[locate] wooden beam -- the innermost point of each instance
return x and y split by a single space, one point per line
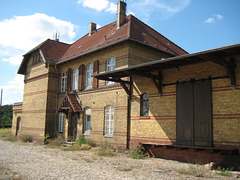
158 84
143 74
127 89
229 66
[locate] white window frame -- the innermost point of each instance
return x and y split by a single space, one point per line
89 78
111 67
87 115
108 125
75 79
61 122
63 81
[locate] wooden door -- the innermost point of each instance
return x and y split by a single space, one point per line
184 114
194 114
72 127
202 114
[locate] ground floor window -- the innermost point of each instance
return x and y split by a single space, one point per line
60 123
108 126
144 109
87 121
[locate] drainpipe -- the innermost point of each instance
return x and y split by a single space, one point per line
129 114
57 96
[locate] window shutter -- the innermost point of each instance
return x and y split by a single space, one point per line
95 71
81 77
69 78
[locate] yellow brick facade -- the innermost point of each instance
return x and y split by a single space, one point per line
160 126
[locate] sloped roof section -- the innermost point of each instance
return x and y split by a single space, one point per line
52 51
133 29
70 102
145 34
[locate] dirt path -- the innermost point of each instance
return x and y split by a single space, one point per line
28 161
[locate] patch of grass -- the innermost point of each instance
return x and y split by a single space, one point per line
195 170
106 151
27 138
12 138
56 142
224 172
136 153
5 132
82 140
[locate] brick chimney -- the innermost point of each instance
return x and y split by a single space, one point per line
121 13
92 27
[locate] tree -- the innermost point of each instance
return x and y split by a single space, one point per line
6 115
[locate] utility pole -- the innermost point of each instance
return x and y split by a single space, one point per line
1 103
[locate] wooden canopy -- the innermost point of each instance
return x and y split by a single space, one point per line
70 101
217 55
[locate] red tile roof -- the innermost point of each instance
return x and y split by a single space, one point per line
70 101
133 29
52 51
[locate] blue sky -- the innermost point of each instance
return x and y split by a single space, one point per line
194 25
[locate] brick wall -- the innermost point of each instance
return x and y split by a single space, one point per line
160 126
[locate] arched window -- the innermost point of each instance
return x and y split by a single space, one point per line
75 79
111 66
144 109
87 121
108 125
89 74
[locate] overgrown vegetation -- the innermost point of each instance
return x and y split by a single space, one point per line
136 153
224 171
6 116
82 140
55 142
106 151
27 138
195 170
6 132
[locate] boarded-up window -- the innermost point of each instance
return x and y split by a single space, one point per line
144 109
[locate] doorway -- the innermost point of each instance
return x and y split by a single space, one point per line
72 127
194 114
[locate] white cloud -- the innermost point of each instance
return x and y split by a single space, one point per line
15 60
25 32
13 91
164 8
213 19
210 20
98 5
112 8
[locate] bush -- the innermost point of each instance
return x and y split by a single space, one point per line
5 132
195 170
82 140
136 153
56 142
225 171
27 138
46 139
106 151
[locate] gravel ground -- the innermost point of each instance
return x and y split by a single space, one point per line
29 161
